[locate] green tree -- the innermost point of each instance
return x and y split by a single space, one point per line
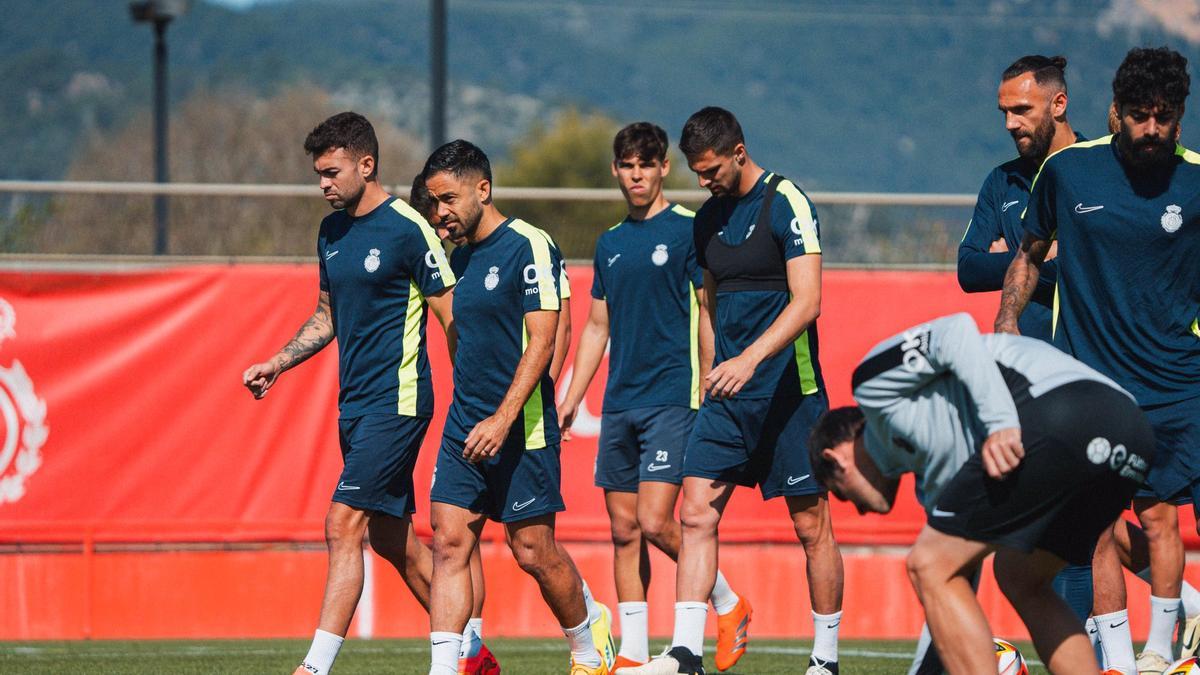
574 151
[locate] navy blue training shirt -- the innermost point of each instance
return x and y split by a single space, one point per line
377 269
1002 200
1128 290
743 316
646 273
512 272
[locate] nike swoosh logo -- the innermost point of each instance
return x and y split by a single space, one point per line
342 486
613 259
793 481
834 625
938 513
1006 205
518 507
330 254
1118 624
1080 208
657 467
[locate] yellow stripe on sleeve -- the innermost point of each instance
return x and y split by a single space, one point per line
407 375
543 263
803 223
431 240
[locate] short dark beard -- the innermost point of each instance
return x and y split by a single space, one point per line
1042 138
1136 154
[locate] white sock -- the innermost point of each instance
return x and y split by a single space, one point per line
1191 599
445 647
723 598
1190 605
472 638
583 650
1093 633
1163 614
1116 641
321 654
689 626
592 610
635 631
825 636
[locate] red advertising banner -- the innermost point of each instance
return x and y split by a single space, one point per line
126 420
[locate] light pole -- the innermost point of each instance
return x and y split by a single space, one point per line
159 13
437 73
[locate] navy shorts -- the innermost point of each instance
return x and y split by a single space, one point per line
516 484
761 442
378 455
1175 475
642 445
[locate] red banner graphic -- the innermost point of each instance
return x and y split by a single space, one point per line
126 420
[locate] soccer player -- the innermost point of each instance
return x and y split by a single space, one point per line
645 297
1018 449
380 267
1123 211
499 457
757 240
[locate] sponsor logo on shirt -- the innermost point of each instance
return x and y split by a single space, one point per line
1080 208
915 346
1007 205
330 254
431 261
613 259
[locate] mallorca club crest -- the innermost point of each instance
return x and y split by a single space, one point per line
492 280
372 261
24 418
1172 220
659 257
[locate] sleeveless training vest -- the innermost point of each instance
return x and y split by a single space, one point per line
757 263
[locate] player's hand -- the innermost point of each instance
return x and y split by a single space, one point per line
1052 252
728 378
486 439
998 246
1002 452
259 377
566 417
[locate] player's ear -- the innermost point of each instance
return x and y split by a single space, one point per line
1058 104
839 460
366 167
666 166
739 153
614 168
483 189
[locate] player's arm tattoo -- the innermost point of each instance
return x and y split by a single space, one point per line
312 337
1020 281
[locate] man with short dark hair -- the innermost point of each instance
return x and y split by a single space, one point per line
380 266
645 298
757 240
499 457
1017 449
1123 210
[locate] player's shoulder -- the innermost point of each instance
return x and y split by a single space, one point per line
532 238
793 195
406 217
1189 157
1081 152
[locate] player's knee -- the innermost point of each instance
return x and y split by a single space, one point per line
451 546
625 532
343 529
698 518
655 526
812 527
923 568
533 557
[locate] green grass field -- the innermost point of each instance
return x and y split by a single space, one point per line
394 657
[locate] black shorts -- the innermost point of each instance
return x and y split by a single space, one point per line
1087 449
